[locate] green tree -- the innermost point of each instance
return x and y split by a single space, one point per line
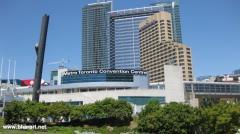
77 113
122 111
106 111
15 112
58 111
107 107
171 118
221 118
147 119
115 109
35 111
152 106
92 111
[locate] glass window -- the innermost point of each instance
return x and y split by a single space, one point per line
228 90
212 88
141 100
207 87
218 88
97 78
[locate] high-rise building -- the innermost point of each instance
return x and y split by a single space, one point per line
95 50
158 48
124 32
173 8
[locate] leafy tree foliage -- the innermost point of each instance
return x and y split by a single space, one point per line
15 112
223 118
25 112
106 111
35 111
122 110
152 106
77 113
59 111
171 118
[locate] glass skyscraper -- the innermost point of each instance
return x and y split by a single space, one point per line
95 49
124 33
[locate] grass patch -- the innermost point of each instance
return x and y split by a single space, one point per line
70 130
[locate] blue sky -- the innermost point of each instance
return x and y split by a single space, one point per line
210 27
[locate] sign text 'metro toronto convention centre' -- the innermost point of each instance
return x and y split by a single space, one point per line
105 71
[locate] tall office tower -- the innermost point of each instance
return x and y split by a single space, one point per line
124 33
158 48
173 8
95 50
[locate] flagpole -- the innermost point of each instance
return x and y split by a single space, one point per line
8 77
1 77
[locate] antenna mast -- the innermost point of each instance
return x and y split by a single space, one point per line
14 77
1 72
8 76
1 77
14 73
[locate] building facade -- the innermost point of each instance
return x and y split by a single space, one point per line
138 92
124 33
173 8
106 75
95 51
158 48
56 76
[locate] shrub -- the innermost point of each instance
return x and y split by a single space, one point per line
35 111
107 111
59 111
15 112
171 118
221 118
